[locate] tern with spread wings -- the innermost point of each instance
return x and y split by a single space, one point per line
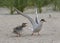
37 25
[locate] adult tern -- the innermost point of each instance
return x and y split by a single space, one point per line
37 25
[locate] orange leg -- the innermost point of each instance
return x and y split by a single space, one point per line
32 33
18 34
38 33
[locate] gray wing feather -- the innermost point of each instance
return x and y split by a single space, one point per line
29 18
36 20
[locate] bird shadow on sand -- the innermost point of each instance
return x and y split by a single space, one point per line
26 35
29 35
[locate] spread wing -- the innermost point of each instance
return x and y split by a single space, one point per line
36 20
28 17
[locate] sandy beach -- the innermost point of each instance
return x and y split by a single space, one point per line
50 32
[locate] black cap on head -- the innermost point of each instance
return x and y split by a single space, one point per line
42 20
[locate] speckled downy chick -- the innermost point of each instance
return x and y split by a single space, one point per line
18 30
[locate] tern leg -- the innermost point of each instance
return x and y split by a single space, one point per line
32 33
38 33
18 34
